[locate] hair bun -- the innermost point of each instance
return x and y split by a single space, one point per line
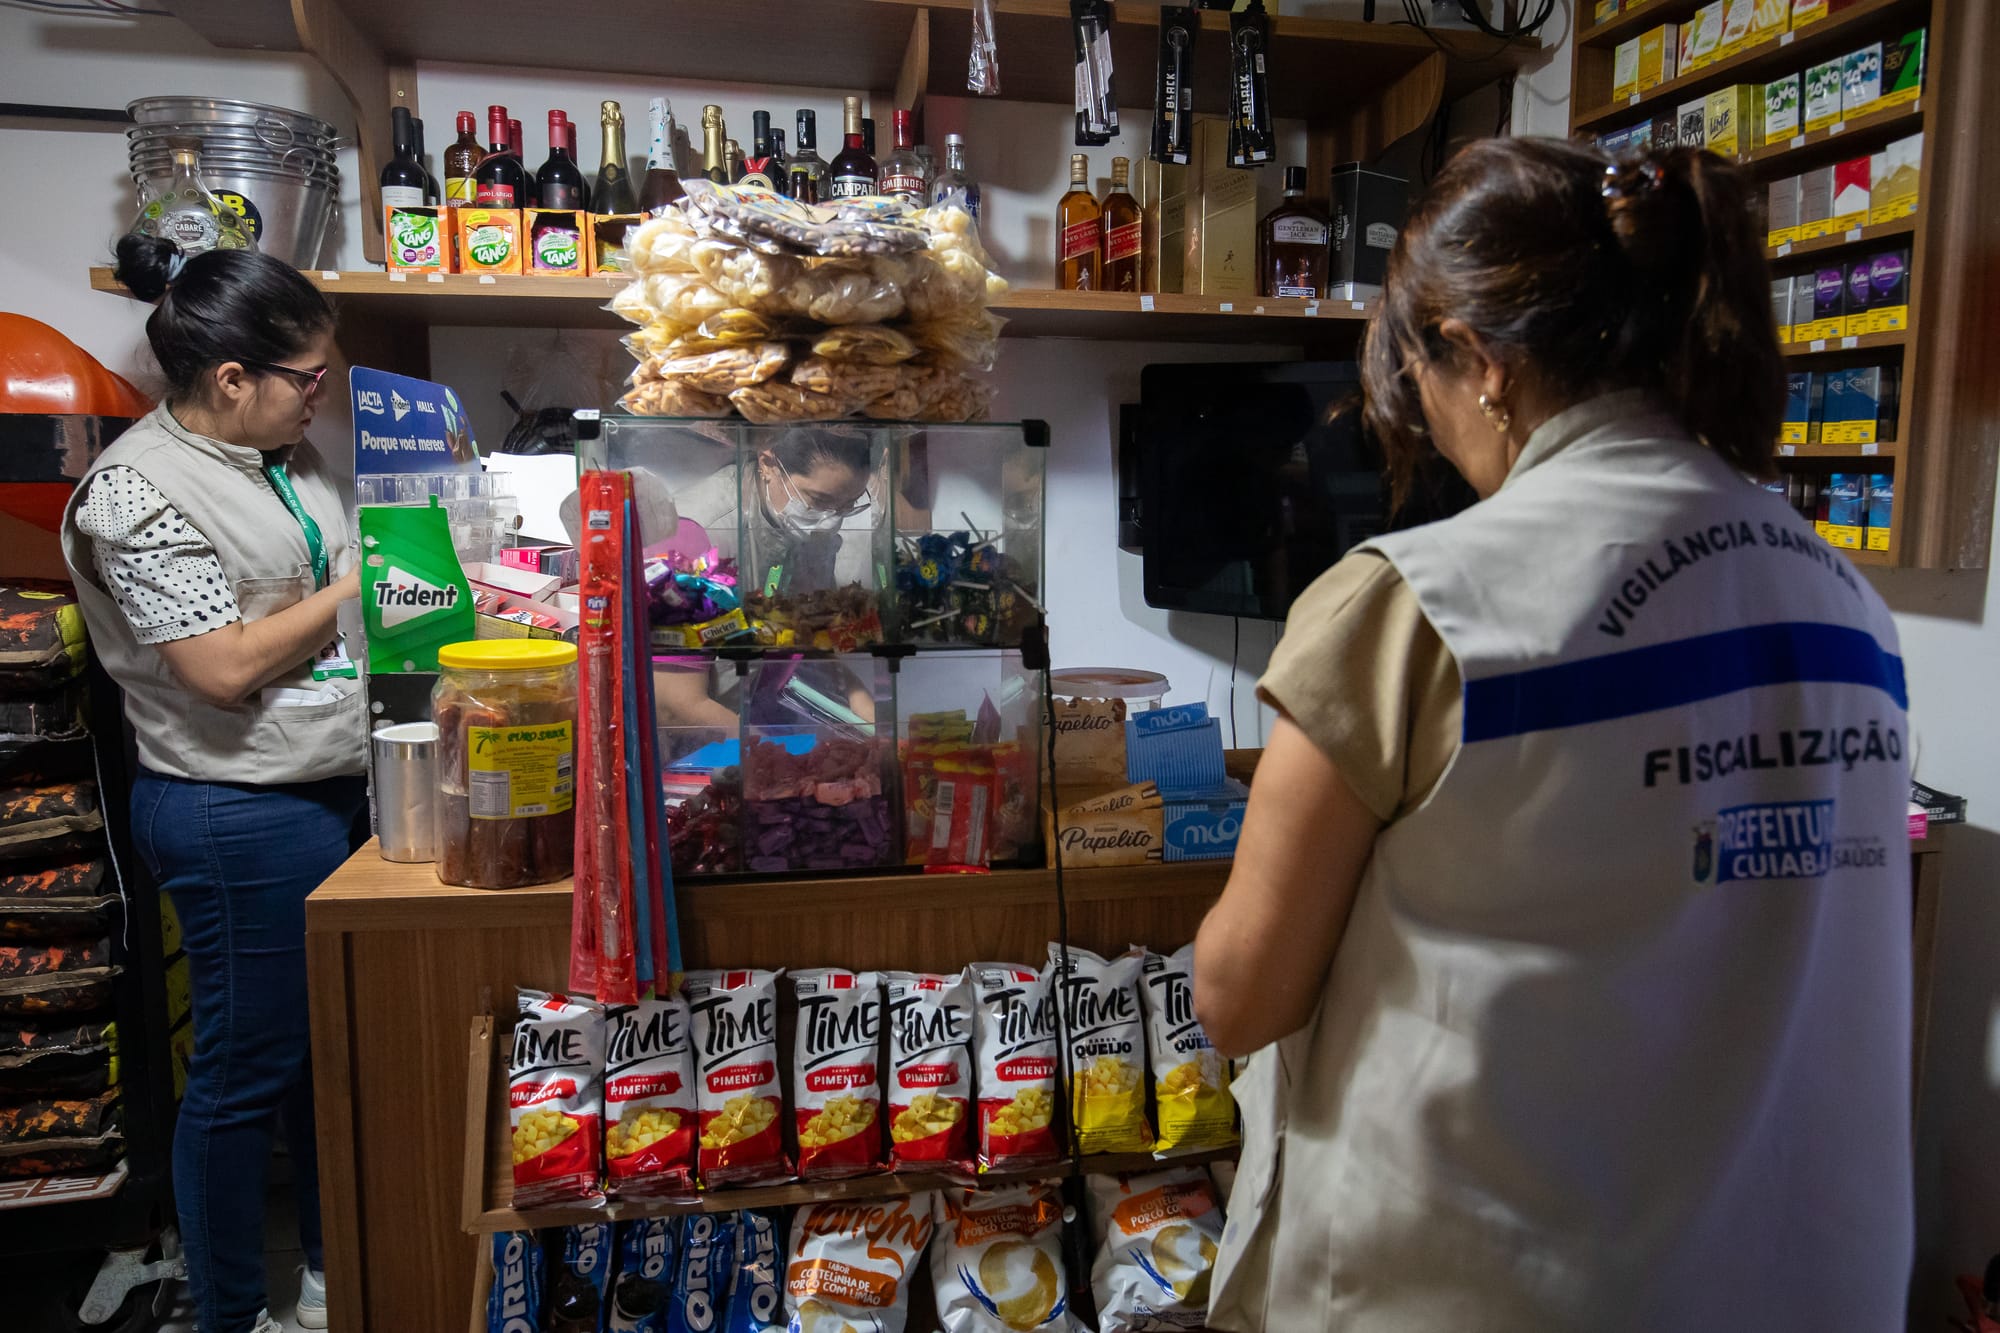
148 265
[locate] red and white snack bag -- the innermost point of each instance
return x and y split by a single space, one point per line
650 1115
930 1072
1017 1049
851 1263
837 1074
737 1092
555 1099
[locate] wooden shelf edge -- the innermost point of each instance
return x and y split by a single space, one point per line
1890 450
1868 235
1858 342
1825 33
1907 115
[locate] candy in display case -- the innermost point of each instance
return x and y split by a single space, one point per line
970 732
832 536
700 762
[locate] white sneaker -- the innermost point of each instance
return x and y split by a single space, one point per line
266 1324
311 1312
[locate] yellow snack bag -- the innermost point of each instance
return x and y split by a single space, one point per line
1190 1079
1107 1049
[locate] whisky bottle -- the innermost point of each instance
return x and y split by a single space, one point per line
1292 240
1079 232
1123 230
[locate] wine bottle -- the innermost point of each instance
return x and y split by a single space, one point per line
558 184
853 171
569 146
760 167
403 177
613 193
500 181
663 178
460 161
433 192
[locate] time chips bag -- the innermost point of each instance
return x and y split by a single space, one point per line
1107 1049
740 1102
850 1264
1190 1080
1017 1064
649 1099
555 1099
1157 1234
997 1261
837 1077
930 1072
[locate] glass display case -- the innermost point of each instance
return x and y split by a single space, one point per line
971 741
834 536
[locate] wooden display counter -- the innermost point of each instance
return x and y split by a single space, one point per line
399 966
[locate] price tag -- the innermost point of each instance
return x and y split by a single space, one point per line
1358 305
1870 450
1146 302
1787 450
1633 100
1854 233
329 275
1798 140
436 277
1816 345
1256 310
1849 342
399 277
1226 307
1312 310
487 280
1838 127
1784 248
1787 39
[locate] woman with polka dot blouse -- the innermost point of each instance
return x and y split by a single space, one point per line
210 554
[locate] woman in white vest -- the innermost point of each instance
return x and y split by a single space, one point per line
1570 924
210 554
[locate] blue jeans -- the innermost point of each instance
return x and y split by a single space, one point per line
238 862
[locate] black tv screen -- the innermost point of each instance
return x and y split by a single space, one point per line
1255 477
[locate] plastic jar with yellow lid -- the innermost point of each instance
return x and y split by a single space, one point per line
506 718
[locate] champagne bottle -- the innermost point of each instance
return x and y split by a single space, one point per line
663 178
613 193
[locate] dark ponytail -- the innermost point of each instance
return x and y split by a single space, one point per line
1587 275
223 305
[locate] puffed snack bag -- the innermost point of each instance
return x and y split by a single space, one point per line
1107 1049
850 1263
650 1114
930 1072
1017 1049
1191 1093
1157 1235
737 1092
997 1261
837 1073
555 1099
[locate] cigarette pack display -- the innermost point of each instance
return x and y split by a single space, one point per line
1666 129
1735 119
1846 510
1659 56
1822 105
1768 19
1820 500
1881 509
1889 291
418 239
1781 307
1861 80
1805 12
1221 219
1815 202
1735 27
1605 11
1817 411
1903 69
1853 409
1890 404
1798 407
1850 194
1781 211
1693 122
1625 69
1701 38
1368 211
1856 315
1163 218
1894 175
1829 309
1781 109
489 239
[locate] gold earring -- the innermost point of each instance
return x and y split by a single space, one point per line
1497 414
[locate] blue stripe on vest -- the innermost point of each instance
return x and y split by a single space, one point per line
1684 671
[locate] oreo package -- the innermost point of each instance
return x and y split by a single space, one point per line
700 1298
756 1297
580 1276
644 1284
514 1305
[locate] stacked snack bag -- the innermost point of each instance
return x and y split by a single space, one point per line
752 303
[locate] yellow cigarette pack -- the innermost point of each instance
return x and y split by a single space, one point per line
1625 69
1768 20
1736 16
1659 52
1735 119
1807 12
1221 219
1701 38
1894 175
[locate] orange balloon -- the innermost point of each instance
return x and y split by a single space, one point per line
43 374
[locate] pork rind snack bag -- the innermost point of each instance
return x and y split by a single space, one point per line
1107 1049
837 1074
737 1092
850 1264
1157 1234
997 1261
555 1100
649 1099
930 1072
1017 1049
1190 1081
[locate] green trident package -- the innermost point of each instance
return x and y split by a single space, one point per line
414 597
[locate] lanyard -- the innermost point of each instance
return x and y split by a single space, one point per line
315 543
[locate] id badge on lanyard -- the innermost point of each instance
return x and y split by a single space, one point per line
332 661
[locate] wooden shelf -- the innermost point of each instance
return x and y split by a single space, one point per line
1869 559
1855 342
1891 451
1842 136
1854 236
1834 35
540 301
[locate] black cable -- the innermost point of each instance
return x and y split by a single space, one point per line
1036 654
1525 28
1235 656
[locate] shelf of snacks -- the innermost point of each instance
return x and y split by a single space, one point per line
1852 236
1840 31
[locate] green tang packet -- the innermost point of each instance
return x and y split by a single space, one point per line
414 597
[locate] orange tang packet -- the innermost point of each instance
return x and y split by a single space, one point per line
850 1263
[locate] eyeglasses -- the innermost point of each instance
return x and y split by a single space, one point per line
309 379
822 511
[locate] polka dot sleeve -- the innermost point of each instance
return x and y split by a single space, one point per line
159 568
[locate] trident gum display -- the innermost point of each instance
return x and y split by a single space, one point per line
555 1099
737 1090
836 1080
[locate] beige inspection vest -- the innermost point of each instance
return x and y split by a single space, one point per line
222 490
1618 1036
